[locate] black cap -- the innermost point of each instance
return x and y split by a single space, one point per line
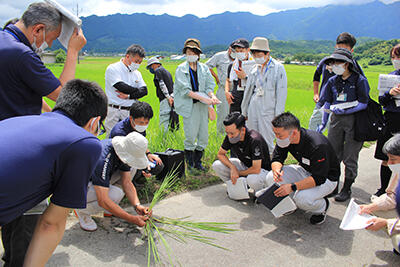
340 54
241 42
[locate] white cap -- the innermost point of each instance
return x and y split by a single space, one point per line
152 61
131 149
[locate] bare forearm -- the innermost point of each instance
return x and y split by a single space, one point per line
130 192
224 159
316 87
251 170
68 72
115 209
305 183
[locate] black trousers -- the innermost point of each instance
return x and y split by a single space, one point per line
16 236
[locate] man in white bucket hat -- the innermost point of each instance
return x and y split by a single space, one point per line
113 172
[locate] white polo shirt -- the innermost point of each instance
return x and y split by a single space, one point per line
118 72
221 60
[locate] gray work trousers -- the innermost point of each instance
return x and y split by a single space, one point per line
341 136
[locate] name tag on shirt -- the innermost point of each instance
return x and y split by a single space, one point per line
342 97
305 161
240 88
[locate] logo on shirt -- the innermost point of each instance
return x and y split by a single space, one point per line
321 160
257 152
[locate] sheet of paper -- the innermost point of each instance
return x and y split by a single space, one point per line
387 82
69 23
345 105
353 220
239 190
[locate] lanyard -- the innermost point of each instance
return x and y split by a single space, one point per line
13 34
259 75
194 81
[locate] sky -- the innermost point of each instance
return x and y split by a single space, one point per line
203 8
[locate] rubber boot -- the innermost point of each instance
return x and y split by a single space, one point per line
189 158
197 160
386 173
345 194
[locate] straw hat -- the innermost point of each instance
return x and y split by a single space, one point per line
260 44
192 43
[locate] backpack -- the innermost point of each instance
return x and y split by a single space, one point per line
369 123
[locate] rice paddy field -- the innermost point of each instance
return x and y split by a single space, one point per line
299 100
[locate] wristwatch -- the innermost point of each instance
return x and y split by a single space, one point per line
294 187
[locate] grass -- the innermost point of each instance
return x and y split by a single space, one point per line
299 102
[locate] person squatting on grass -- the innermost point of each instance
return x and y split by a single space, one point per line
392 121
266 91
138 121
318 171
192 79
221 61
124 85
346 86
387 201
252 153
164 90
24 81
118 155
41 159
347 41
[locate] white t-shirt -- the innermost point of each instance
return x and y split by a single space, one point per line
118 72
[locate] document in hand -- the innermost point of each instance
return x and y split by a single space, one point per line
353 220
277 205
69 23
387 82
345 105
239 190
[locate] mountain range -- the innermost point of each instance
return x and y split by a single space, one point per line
114 33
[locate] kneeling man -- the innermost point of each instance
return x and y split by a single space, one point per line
318 171
251 149
113 171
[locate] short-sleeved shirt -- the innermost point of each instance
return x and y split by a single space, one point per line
119 72
107 164
322 70
161 74
221 61
24 79
337 90
314 153
123 128
388 101
253 147
41 158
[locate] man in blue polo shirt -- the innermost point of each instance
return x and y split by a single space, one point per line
24 79
40 158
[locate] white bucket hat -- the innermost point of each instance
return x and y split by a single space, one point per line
152 61
131 149
260 43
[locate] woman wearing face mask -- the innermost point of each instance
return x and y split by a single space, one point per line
192 79
349 88
387 201
266 91
392 121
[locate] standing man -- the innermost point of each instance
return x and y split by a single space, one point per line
344 40
24 79
221 61
164 90
124 85
112 172
318 171
52 154
252 153
266 91
237 74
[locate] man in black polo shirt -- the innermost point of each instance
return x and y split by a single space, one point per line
252 152
164 89
318 171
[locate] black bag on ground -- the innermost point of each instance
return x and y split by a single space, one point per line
369 123
173 160
173 120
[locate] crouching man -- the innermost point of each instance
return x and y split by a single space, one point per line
318 171
112 171
252 152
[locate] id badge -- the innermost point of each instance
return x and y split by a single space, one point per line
260 92
305 161
342 97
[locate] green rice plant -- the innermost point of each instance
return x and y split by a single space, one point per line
179 229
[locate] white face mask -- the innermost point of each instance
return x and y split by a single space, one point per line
192 58
283 142
233 54
241 56
395 168
134 66
39 50
396 64
338 69
259 60
97 132
141 128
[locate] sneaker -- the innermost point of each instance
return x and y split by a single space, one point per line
86 222
320 218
